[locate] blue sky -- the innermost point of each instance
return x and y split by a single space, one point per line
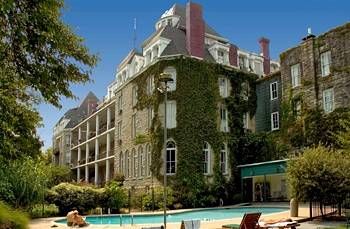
107 27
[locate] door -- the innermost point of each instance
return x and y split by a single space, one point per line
247 189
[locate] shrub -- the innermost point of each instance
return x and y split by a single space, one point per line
113 196
66 196
44 210
59 174
147 202
12 219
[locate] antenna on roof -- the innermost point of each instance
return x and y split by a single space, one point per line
134 39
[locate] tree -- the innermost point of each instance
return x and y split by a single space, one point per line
319 174
40 57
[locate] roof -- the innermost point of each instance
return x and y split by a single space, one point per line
75 115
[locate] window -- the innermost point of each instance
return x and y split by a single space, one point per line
134 96
325 63
221 56
149 159
127 164
274 90
223 159
155 52
242 62
170 22
121 163
328 100
134 154
119 130
141 162
275 121
172 72
258 68
206 158
170 114
245 91
170 157
150 85
150 116
120 103
223 87
246 121
133 126
223 119
295 73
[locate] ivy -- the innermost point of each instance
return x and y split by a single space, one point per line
197 99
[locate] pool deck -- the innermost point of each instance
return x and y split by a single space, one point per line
215 224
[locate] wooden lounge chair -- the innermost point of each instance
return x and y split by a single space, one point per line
249 221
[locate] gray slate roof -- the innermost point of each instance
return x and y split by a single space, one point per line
75 115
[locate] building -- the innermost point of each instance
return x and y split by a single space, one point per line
316 72
123 136
62 130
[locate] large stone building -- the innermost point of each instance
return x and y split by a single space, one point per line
62 130
316 72
124 135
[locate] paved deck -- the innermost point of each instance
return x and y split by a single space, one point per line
303 214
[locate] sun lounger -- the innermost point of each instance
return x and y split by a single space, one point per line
191 224
249 221
291 224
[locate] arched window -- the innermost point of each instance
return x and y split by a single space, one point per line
141 162
206 158
134 163
170 157
127 164
121 163
149 159
172 72
223 158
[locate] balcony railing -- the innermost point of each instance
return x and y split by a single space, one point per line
102 155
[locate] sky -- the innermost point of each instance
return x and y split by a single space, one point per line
107 27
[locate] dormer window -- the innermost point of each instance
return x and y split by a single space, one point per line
155 52
221 56
242 62
170 22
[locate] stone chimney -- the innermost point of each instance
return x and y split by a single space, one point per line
265 50
233 55
194 30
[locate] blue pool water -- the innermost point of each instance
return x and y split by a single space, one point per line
203 215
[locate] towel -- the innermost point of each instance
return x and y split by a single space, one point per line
188 224
196 224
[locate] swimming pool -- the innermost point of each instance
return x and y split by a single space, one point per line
202 214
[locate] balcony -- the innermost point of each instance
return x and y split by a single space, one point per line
92 134
102 155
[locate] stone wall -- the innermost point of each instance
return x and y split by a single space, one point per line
337 41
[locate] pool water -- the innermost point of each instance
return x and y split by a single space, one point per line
203 215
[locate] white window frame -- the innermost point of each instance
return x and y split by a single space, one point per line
246 120
223 159
134 96
119 130
141 162
326 61
134 163
149 159
121 163
150 116
224 119
150 84
206 158
296 79
328 104
169 162
133 126
274 90
120 103
223 87
127 164
275 119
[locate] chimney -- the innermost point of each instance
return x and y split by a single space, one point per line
309 35
194 30
265 50
233 55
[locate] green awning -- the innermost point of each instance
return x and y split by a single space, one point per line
263 168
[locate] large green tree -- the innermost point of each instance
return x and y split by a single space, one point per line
319 174
40 56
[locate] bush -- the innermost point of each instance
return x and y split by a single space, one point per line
113 196
67 196
59 174
147 202
12 219
46 210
